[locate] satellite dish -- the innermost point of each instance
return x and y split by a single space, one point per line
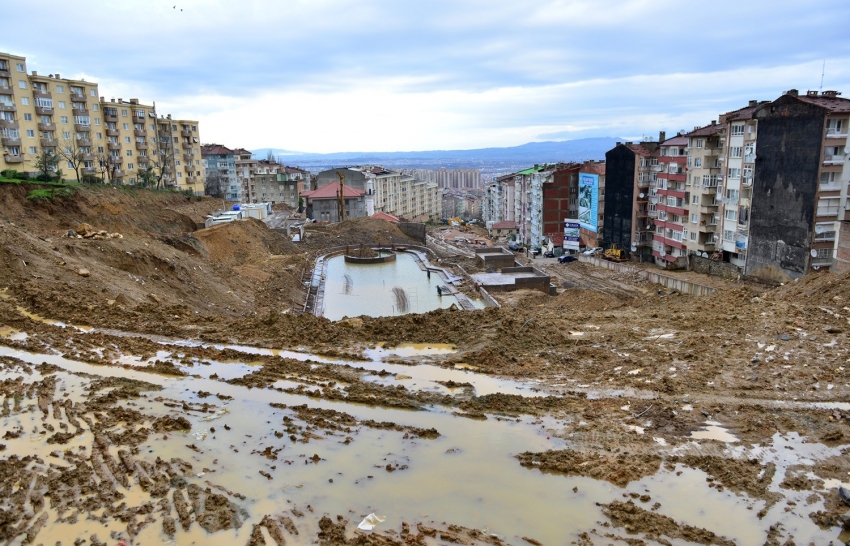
663 253
814 253
815 267
641 195
819 229
648 226
634 249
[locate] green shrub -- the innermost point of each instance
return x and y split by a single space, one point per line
44 178
8 173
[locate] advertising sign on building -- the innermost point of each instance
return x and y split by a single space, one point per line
588 201
572 234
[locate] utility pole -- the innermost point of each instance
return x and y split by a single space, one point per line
341 197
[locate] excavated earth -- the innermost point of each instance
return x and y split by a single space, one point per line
132 370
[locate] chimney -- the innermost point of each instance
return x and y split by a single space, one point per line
662 136
811 93
792 92
34 73
754 103
50 76
120 100
619 143
57 76
714 122
102 99
134 101
832 94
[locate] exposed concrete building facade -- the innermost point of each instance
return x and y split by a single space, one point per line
668 191
323 204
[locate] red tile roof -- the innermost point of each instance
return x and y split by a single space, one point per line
330 192
675 141
639 149
385 216
291 170
215 149
504 225
593 168
242 151
833 104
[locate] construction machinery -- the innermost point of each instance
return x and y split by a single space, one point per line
615 253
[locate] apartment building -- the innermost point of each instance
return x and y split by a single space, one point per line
499 197
667 193
220 171
705 164
47 113
629 213
273 183
799 183
560 201
389 191
592 173
115 141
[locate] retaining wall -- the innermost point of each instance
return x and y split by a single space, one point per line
717 269
683 286
370 259
415 230
488 299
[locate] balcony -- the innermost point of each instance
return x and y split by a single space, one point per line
822 261
118 173
747 181
41 94
116 160
141 145
89 171
110 119
188 158
140 132
14 158
87 157
79 111
4 107
833 159
114 145
84 142
708 228
77 97
188 168
4 73
187 134
6 90
836 133
4 124
46 127
43 111
82 128
187 145
47 143
192 180
144 166
832 186
112 132
828 211
708 208
137 119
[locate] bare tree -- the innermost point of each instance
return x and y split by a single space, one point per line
215 185
69 149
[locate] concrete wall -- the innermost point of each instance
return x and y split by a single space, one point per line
785 187
414 230
717 269
355 208
683 286
353 179
493 261
488 299
842 256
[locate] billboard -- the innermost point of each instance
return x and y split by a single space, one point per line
588 201
572 234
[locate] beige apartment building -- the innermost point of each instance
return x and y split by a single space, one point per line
114 140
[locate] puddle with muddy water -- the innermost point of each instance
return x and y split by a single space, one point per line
468 475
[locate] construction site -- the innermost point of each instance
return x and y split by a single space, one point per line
169 383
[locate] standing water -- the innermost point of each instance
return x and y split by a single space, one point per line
380 290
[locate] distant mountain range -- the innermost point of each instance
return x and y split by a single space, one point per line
525 154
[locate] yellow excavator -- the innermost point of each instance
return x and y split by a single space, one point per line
615 253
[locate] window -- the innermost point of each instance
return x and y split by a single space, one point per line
97 121
130 166
62 104
825 232
70 165
127 140
93 92
178 164
695 200
25 101
693 236
699 143
66 134
33 150
828 206
60 88
95 107
731 214
729 235
694 218
737 129
124 115
100 149
22 84
19 67
30 133
63 119
129 153
734 172
736 151
732 195
126 126
836 126
100 136
697 162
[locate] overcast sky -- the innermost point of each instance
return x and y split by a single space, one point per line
390 75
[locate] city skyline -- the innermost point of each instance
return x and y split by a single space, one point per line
382 76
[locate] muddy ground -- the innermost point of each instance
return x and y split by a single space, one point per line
623 381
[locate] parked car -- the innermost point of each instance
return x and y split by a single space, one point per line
513 245
548 254
566 258
592 251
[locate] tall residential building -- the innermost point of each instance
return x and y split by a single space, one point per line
220 171
628 219
705 164
389 191
670 200
115 140
593 172
799 183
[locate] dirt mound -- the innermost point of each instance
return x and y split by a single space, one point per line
354 232
829 289
617 469
242 242
585 300
522 298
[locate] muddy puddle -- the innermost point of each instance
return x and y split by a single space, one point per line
272 453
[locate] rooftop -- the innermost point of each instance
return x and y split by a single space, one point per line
215 149
331 190
385 216
708 130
